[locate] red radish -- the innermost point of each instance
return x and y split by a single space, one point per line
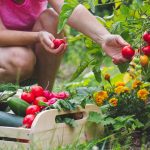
62 95
46 94
38 99
28 120
32 109
146 37
128 52
51 101
146 50
58 42
37 90
28 97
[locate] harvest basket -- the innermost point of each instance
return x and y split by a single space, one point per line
45 133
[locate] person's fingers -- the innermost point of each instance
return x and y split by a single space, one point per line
61 52
65 39
48 42
121 41
52 38
118 59
47 48
64 50
65 46
114 61
59 49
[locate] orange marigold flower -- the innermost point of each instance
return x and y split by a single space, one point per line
102 94
113 101
126 89
136 83
119 84
121 89
107 77
143 94
99 100
99 97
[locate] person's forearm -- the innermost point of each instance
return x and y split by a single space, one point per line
17 38
83 21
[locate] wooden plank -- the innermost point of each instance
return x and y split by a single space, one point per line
59 137
11 132
8 145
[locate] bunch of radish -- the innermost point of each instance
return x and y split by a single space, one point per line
36 95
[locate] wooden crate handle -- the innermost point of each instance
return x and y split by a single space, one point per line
46 119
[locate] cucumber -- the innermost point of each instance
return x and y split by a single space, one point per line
17 105
10 120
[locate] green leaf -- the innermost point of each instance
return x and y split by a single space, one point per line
92 4
103 1
66 12
57 106
124 10
70 122
9 87
5 95
83 103
40 103
94 117
123 67
138 124
115 27
64 105
108 121
97 73
83 64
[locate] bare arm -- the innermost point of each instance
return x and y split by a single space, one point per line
17 38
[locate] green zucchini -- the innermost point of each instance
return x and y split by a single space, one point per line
10 120
17 105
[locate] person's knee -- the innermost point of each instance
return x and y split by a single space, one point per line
49 21
22 61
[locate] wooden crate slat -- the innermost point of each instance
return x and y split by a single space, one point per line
9 145
11 132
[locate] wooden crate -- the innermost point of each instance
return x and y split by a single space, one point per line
45 133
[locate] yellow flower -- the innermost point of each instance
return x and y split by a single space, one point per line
143 94
119 84
121 89
136 83
113 101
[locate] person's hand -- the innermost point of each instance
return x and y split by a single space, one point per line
46 39
112 45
